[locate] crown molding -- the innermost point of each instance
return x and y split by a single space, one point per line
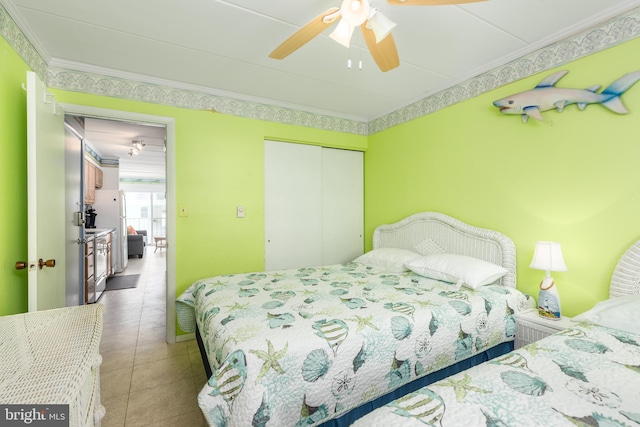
64 65
605 35
17 39
78 81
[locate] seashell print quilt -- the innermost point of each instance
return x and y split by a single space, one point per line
583 376
302 346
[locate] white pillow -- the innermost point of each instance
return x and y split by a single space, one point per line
622 313
388 259
454 268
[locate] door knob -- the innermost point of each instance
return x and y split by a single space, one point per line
47 263
21 265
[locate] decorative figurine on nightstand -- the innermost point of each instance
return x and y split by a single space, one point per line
548 256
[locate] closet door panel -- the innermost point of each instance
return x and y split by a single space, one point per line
342 205
293 205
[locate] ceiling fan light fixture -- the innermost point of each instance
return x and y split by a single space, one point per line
342 33
380 24
355 12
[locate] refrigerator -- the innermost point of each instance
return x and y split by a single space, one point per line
111 212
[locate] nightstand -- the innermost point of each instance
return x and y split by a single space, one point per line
531 327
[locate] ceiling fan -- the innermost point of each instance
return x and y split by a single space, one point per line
376 29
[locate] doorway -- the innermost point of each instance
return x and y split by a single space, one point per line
167 149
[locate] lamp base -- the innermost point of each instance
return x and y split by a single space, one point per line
549 300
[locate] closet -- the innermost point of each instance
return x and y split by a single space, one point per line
313 205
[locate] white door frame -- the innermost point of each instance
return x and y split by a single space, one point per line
169 122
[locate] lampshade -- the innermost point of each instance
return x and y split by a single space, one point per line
355 12
342 33
548 256
380 25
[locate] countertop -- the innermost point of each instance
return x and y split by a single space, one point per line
97 232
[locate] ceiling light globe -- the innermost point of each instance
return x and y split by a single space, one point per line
355 12
342 33
380 25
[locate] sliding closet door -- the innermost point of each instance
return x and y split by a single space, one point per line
313 205
293 205
342 205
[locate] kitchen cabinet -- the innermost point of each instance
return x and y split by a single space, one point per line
89 182
98 183
92 180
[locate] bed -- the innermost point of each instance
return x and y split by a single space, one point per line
323 345
586 375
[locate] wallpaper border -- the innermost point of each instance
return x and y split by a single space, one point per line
606 35
21 44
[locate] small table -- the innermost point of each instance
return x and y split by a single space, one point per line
161 242
531 327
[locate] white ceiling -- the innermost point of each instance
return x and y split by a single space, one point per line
222 47
114 140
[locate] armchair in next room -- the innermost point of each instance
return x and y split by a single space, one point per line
137 242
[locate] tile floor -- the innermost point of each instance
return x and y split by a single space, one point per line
144 380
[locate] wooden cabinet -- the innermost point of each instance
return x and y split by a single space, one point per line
92 180
89 273
98 183
89 182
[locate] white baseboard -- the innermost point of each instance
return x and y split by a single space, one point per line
186 337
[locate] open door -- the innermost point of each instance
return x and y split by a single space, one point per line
45 198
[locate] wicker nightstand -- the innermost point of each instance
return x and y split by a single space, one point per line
531 327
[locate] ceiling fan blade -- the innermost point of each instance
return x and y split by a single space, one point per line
429 2
306 33
384 53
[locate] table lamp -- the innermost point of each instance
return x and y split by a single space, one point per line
548 257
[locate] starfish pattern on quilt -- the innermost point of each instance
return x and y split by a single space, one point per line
270 358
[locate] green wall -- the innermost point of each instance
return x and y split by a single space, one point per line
13 184
572 178
219 165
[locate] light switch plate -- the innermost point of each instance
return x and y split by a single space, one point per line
240 211
183 209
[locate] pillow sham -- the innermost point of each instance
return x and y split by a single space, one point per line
622 313
388 259
453 268
427 247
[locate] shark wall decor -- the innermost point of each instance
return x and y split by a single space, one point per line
546 96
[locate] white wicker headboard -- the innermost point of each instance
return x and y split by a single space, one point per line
626 276
453 236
